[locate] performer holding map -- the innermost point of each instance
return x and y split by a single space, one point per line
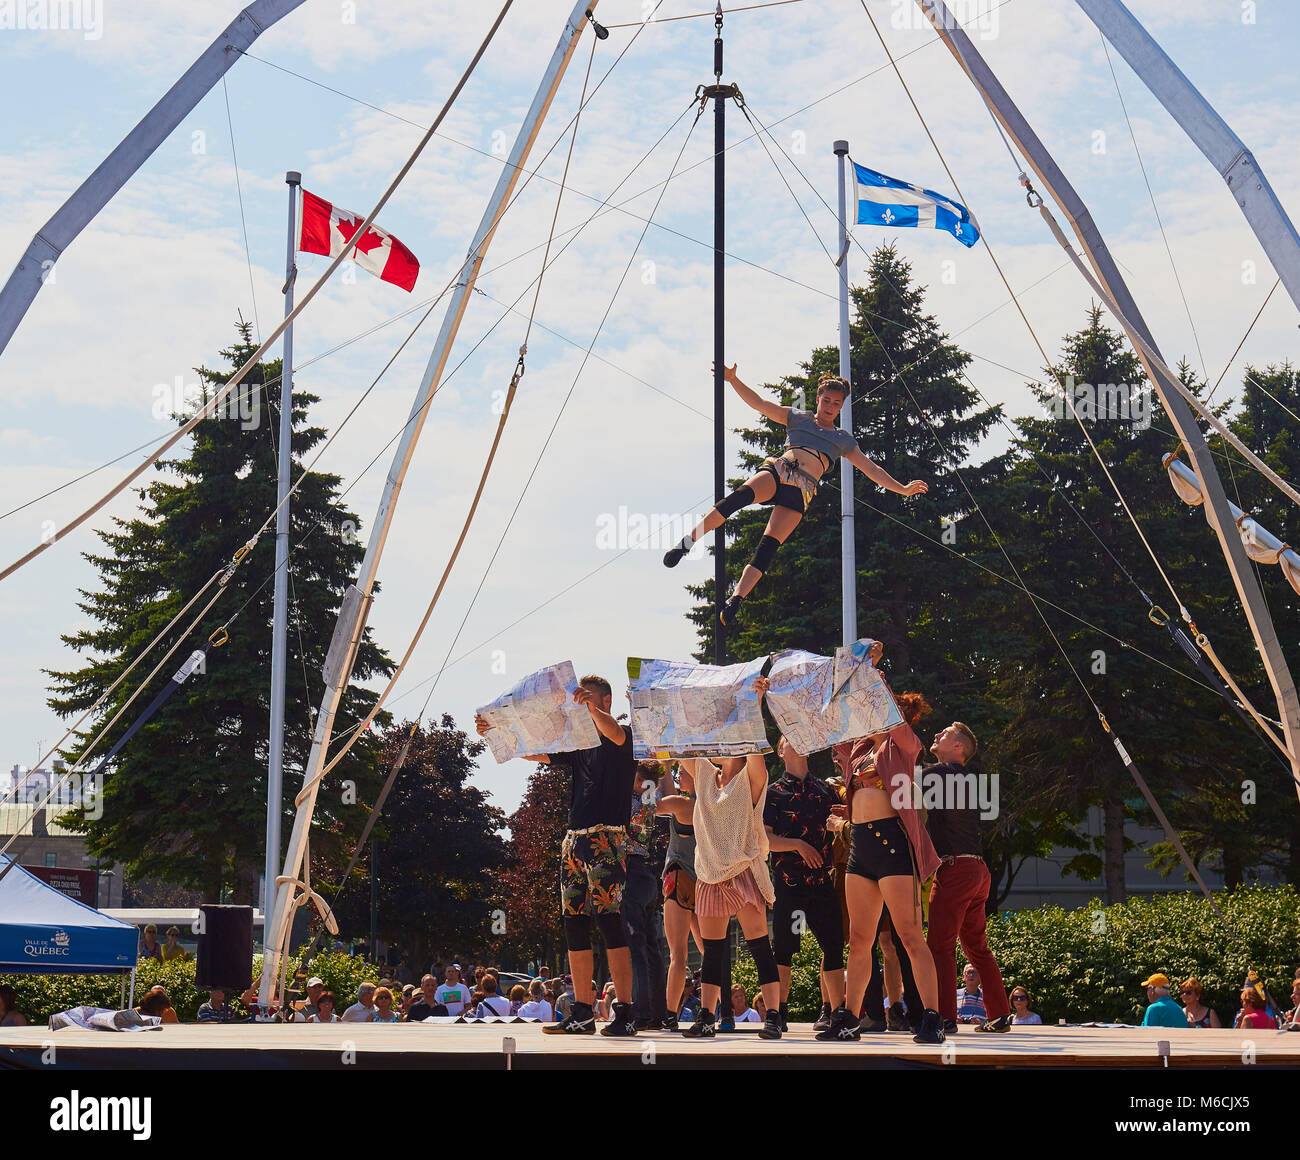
789 481
593 867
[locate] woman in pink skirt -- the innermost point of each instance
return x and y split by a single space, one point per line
732 879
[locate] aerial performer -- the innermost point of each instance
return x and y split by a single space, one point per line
788 481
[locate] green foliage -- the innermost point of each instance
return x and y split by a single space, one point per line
1086 965
342 974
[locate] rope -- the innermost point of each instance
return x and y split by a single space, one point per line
365 723
238 377
239 192
1242 343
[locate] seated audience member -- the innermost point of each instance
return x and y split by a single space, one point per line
1292 1020
1162 1011
605 1005
149 948
425 1004
740 1008
1198 1015
324 1009
363 1010
453 994
384 1012
1020 1008
1253 1014
10 1016
172 949
157 1002
760 1008
491 1003
538 1005
970 999
518 997
216 1009
315 988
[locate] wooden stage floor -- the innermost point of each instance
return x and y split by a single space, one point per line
470 1046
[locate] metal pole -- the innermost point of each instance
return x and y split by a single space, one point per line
1212 135
350 626
280 622
848 548
719 337
1217 508
57 234
374 900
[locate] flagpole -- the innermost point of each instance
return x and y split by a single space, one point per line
720 93
280 622
848 546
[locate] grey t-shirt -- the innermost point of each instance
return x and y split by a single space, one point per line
805 432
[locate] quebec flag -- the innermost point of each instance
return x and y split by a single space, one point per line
886 201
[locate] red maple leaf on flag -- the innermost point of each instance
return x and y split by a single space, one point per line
369 240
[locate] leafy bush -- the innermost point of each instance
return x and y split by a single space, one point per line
1086 964
342 974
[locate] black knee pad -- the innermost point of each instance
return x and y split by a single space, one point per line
764 959
833 958
742 497
612 931
715 958
762 559
577 932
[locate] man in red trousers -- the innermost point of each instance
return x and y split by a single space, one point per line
961 886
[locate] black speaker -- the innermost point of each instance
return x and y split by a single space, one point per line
225 955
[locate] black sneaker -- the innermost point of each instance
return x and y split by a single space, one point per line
648 1025
896 1018
677 554
843 1028
823 1020
702 1028
622 1025
771 1028
669 1022
870 1025
581 1020
1001 1023
931 1028
950 1027
729 610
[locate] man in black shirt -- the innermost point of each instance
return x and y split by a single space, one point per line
795 816
961 885
593 869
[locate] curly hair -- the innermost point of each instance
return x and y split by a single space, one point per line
830 382
913 706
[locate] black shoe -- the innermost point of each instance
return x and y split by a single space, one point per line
677 554
896 1019
669 1022
771 1028
581 1020
931 1028
1001 1023
950 1027
843 1028
729 610
869 1025
648 1025
702 1028
622 1025
823 1021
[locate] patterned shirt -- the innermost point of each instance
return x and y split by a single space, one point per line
798 808
639 826
970 1004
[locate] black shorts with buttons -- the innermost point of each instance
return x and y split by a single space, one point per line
880 850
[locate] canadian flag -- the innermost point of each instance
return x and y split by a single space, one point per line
329 229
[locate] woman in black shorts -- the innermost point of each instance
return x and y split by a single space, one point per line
676 803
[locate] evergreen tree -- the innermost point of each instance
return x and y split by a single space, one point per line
185 800
1184 739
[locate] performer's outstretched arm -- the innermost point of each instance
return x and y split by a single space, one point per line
604 722
749 396
881 478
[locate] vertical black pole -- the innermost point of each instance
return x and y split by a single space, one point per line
719 396
374 900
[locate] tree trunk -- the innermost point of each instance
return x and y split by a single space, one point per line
1113 828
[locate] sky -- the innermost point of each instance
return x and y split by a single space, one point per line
153 286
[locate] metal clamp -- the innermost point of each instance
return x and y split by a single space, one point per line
218 638
1157 616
